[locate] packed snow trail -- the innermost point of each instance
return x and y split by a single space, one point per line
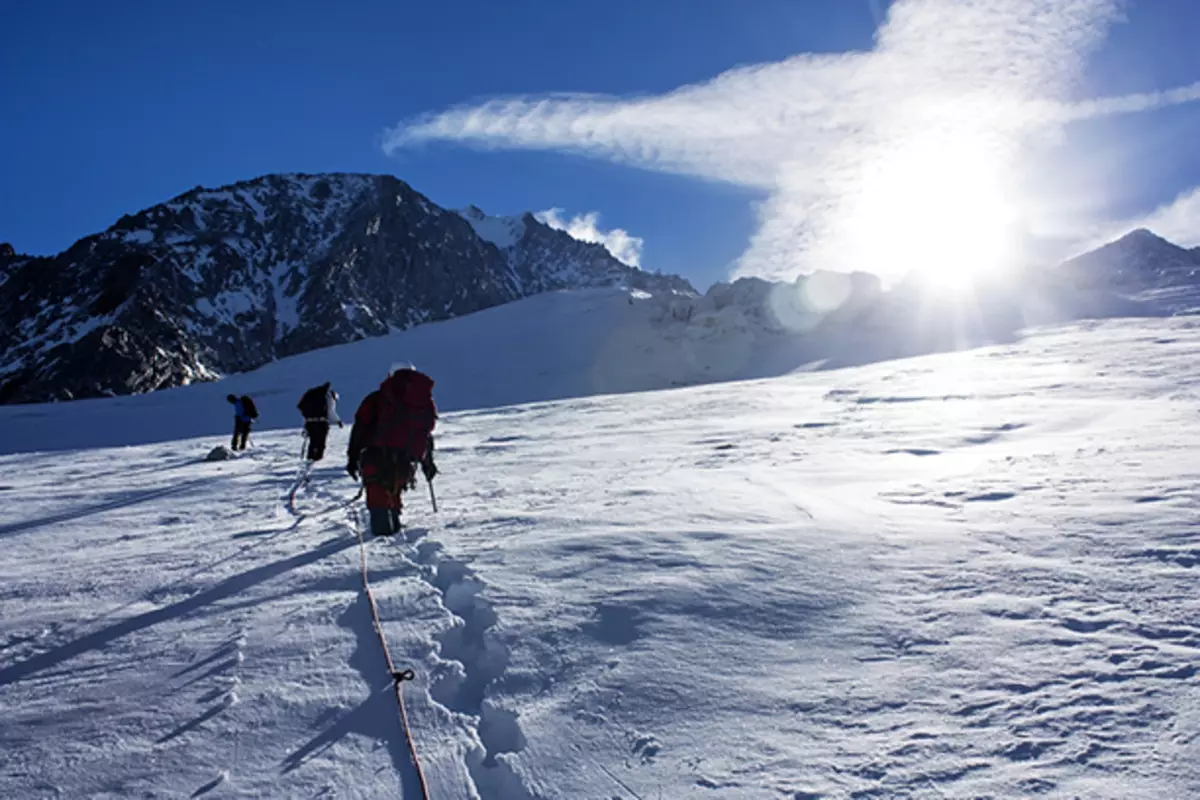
957 576
400 676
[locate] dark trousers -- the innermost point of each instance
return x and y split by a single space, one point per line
241 432
384 521
317 432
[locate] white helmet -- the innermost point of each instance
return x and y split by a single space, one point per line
399 366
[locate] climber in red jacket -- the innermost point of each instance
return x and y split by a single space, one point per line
392 434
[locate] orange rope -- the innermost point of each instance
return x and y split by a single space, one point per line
398 676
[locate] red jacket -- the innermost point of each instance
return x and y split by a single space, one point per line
400 415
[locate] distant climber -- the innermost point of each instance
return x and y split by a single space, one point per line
319 407
244 414
392 434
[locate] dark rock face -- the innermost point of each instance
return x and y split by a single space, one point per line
225 280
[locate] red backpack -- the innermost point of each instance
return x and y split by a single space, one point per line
406 414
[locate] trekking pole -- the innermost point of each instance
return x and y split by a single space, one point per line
432 496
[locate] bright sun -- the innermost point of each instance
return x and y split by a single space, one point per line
937 208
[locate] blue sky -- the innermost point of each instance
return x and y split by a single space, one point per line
109 108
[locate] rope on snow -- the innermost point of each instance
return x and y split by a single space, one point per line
399 676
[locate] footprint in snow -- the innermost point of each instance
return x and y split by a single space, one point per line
991 497
645 747
615 624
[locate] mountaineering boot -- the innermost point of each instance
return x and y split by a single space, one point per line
381 522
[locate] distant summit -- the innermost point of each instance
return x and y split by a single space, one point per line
1140 260
225 280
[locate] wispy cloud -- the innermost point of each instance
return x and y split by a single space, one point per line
586 228
1134 103
947 103
1178 221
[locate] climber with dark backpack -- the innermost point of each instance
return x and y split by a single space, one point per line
244 414
392 434
319 407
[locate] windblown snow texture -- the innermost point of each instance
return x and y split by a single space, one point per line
960 575
225 280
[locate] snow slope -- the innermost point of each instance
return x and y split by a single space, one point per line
504 232
962 575
581 343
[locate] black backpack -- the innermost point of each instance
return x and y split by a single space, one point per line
313 404
248 407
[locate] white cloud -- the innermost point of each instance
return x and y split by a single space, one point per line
586 228
873 160
1177 221
1134 103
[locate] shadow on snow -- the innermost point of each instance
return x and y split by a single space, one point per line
378 716
226 588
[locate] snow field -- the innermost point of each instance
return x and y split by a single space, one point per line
961 575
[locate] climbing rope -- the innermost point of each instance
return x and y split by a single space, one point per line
399 676
301 476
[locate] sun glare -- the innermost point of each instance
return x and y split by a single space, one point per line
937 209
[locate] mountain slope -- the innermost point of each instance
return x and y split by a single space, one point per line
10 261
1139 263
542 258
582 343
225 280
965 575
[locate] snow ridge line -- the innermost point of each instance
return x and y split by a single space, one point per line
399 677
478 657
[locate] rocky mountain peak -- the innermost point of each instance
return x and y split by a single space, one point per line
224 280
1140 261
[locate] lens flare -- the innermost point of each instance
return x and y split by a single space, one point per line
937 208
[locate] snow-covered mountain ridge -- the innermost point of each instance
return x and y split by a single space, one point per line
581 343
1144 265
224 280
1140 259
